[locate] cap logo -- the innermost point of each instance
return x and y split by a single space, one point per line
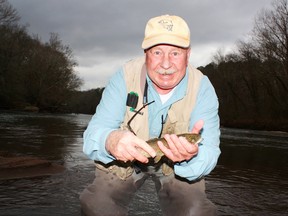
166 24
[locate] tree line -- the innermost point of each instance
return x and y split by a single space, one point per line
251 81
33 73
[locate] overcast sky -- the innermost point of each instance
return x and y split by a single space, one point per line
104 34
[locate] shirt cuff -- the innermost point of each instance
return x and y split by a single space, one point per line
100 153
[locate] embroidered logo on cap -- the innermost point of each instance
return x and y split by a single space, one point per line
167 24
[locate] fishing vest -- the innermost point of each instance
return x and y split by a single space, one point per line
178 118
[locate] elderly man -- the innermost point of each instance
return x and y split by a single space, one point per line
157 95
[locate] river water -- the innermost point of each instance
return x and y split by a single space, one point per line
251 177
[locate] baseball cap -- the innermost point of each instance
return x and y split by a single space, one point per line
166 29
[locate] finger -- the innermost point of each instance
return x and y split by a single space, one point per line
127 156
189 147
185 149
145 146
171 141
123 154
179 147
175 147
136 155
198 126
165 150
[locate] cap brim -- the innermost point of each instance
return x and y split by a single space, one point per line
165 39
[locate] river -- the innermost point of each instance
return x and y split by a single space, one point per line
251 177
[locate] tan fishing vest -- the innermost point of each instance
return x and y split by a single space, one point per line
178 115
177 121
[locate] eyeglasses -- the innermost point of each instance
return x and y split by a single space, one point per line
137 112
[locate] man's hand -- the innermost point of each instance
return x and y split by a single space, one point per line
179 148
123 146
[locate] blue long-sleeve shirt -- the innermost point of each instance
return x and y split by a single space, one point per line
111 111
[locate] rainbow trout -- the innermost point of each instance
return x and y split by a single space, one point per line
190 137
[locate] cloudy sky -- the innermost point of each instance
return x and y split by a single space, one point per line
104 34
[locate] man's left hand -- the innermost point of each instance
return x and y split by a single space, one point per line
179 148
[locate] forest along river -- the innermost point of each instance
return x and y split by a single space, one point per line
251 177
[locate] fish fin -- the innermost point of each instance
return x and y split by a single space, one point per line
157 158
199 141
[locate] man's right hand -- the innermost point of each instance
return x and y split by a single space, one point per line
123 145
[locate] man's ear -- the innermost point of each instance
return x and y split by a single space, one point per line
188 54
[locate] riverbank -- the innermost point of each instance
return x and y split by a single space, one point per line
18 166
264 125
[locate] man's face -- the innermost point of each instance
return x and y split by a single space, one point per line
166 66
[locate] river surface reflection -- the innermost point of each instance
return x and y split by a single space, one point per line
251 177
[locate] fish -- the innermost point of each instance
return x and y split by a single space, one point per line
193 138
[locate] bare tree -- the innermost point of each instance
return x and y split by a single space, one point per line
252 83
8 15
49 73
270 34
218 57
